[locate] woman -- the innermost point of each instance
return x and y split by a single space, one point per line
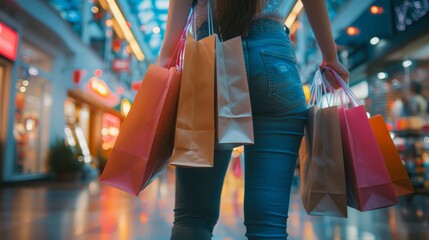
278 108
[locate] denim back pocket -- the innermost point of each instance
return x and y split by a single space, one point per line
285 85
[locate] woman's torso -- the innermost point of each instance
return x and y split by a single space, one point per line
270 9
274 82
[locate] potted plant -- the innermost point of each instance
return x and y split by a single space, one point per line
66 162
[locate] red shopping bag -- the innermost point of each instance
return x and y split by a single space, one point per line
368 182
145 142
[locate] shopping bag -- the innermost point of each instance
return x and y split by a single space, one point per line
234 113
398 175
146 138
323 183
195 126
323 170
368 183
145 141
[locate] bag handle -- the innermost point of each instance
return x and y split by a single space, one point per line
180 48
210 17
320 88
347 92
209 20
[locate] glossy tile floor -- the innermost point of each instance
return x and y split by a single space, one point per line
88 210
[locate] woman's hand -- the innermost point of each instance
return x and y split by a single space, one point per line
339 69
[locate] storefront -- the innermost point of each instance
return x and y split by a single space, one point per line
4 84
92 122
64 79
8 52
32 111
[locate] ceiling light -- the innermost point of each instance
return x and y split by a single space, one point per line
381 75
376 10
374 40
156 30
109 22
293 15
123 27
407 63
352 31
94 9
33 71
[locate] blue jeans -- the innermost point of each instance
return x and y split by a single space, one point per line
279 117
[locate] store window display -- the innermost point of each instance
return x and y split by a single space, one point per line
31 126
4 101
77 127
2 91
33 102
110 130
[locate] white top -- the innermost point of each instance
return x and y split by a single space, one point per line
272 9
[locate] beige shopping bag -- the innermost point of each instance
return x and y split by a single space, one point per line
234 112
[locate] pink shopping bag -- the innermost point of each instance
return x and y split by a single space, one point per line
368 182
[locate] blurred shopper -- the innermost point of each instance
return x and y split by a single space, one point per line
418 104
278 107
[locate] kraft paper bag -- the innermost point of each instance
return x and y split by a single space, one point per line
234 111
145 142
323 181
322 171
398 175
195 126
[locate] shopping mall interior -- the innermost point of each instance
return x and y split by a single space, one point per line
70 71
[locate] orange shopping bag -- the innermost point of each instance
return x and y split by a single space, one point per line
195 126
145 142
400 180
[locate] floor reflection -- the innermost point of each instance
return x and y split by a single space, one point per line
92 211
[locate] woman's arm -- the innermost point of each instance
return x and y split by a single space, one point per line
317 14
178 12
